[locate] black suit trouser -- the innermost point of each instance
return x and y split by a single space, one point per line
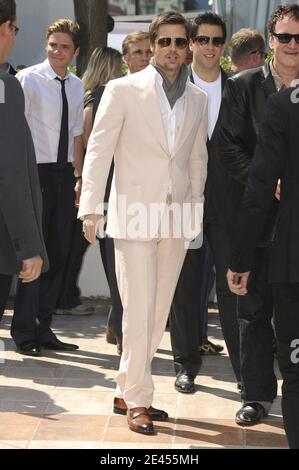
185 330
70 293
5 284
255 312
227 302
286 312
36 300
116 311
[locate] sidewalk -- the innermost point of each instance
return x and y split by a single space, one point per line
64 400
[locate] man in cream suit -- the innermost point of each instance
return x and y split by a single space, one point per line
154 122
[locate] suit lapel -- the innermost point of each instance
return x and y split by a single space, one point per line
268 84
152 113
223 82
189 116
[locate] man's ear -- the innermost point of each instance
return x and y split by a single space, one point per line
77 52
271 41
5 28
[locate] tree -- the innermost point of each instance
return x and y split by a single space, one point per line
92 17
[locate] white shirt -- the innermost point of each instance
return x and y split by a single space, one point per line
214 92
172 118
43 109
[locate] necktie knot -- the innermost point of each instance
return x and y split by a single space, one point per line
61 80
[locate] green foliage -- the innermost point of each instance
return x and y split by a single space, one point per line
269 56
226 63
73 69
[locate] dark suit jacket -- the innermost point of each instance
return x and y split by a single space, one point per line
20 198
244 99
215 189
276 156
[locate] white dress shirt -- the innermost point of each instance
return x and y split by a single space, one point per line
43 109
172 118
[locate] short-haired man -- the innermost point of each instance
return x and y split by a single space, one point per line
247 49
244 102
154 123
136 50
190 304
54 109
22 249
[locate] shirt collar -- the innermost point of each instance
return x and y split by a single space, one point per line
157 76
49 72
277 79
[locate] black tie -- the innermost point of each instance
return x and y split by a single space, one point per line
63 146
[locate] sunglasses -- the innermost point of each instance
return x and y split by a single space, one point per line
15 28
181 43
263 53
285 38
204 40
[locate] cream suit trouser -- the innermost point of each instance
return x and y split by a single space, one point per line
147 274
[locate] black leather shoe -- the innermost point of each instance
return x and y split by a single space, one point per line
250 413
29 348
184 384
56 345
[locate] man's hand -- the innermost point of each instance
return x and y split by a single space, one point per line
90 224
277 192
31 269
78 188
237 282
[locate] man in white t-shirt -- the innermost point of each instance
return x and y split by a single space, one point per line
188 325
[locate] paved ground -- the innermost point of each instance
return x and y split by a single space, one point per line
64 400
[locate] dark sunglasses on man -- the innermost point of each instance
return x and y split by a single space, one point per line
285 38
14 28
217 41
181 43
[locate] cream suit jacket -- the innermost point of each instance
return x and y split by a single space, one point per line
128 126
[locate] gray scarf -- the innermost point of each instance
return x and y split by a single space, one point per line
174 90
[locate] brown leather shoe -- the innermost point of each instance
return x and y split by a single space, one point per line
140 421
120 408
110 335
119 348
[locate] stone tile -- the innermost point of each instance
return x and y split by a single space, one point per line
13 445
94 406
23 394
45 385
35 408
63 444
32 372
212 432
56 432
134 445
100 384
164 434
75 420
207 406
12 432
265 439
19 419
